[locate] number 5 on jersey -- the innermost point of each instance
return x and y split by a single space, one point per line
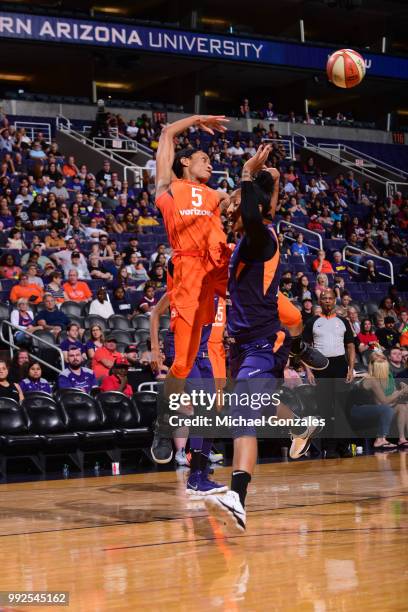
196 196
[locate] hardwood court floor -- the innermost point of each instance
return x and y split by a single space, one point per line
322 535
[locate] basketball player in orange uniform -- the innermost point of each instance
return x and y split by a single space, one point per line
191 214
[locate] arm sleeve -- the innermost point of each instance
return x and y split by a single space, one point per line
258 243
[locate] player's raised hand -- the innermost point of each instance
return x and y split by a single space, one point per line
209 123
257 162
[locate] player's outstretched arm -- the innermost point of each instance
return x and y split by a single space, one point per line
160 308
275 194
165 151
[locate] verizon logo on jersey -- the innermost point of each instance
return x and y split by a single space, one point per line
195 212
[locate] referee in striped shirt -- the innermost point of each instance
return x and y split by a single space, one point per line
333 337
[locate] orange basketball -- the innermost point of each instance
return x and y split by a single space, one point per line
345 68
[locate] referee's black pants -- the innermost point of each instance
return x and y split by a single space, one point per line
331 391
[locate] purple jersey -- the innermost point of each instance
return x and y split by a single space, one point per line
253 289
28 386
84 381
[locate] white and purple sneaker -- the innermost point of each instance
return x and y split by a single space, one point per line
199 484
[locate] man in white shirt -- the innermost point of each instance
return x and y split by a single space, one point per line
236 149
132 129
64 257
151 166
288 187
101 306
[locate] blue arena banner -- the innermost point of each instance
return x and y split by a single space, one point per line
195 44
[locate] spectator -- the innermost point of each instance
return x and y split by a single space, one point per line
307 310
15 241
22 318
386 309
244 109
395 361
136 270
50 318
105 251
345 299
97 270
32 380
117 380
379 401
369 274
121 304
76 264
352 316
20 358
32 292
158 277
133 247
72 340
303 290
149 299
61 192
160 250
9 389
54 287
339 287
95 341
315 225
298 247
322 283
8 267
104 357
75 376
366 337
105 174
388 335
321 264
64 257
403 328
54 240
33 278
286 288
75 290
101 306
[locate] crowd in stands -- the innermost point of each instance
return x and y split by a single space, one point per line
70 236
269 113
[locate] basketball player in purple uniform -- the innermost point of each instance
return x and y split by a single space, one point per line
260 345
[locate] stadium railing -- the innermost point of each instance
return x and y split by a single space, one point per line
359 251
302 230
9 341
33 128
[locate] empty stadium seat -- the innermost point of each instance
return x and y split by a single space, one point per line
119 322
141 322
146 402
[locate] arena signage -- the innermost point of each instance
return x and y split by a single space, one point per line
87 32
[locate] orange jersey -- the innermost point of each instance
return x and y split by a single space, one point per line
191 216
217 331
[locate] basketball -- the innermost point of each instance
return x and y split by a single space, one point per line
345 68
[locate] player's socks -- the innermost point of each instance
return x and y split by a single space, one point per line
195 461
205 452
239 483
